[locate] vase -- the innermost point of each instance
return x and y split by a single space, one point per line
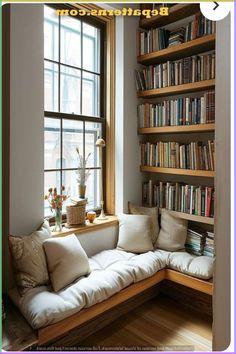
58 220
82 190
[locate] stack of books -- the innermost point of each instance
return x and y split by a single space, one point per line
199 27
182 111
192 156
151 40
195 241
209 248
185 198
184 71
176 36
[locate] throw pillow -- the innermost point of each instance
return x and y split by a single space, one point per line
135 233
66 260
29 258
173 232
153 212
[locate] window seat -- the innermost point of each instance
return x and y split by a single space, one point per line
116 277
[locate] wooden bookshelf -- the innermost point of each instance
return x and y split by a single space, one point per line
176 13
191 217
179 89
195 46
178 171
197 128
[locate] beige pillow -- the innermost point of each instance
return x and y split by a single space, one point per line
66 260
29 258
173 232
135 233
153 212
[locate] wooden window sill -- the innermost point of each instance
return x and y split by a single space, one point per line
87 227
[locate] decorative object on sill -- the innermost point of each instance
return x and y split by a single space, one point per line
56 201
91 216
75 212
100 143
82 173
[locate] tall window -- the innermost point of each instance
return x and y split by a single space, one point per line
74 112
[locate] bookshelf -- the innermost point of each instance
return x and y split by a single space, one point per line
180 129
197 46
179 89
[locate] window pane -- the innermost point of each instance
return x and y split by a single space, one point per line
70 41
70 90
51 30
69 180
51 180
92 132
52 144
72 138
91 48
90 95
50 86
92 190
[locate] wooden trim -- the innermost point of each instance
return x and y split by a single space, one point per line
191 282
178 171
6 10
195 46
176 13
178 89
191 217
88 227
48 333
110 118
179 129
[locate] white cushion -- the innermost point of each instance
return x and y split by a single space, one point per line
153 212
29 258
173 232
135 233
197 266
111 271
66 260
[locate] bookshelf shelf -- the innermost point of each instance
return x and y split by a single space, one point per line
178 171
177 12
179 89
178 129
195 46
191 217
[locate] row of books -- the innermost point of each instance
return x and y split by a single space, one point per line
200 242
185 198
182 111
199 27
193 156
156 39
187 70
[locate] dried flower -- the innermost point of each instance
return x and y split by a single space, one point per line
82 172
56 200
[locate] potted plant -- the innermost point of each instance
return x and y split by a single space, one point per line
82 173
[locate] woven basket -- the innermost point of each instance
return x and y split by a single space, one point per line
75 214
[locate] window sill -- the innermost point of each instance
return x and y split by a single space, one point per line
87 227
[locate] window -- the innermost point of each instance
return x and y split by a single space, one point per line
74 109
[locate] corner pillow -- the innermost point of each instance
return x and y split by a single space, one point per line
153 212
66 260
29 258
173 232
135 233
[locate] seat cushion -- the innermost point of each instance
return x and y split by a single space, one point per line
198 266
111 271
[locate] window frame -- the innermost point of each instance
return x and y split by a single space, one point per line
101 25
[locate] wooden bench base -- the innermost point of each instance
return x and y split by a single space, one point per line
48 334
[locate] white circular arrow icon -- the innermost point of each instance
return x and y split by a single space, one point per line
215 11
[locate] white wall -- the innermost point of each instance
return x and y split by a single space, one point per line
221 299
26 120
128 177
